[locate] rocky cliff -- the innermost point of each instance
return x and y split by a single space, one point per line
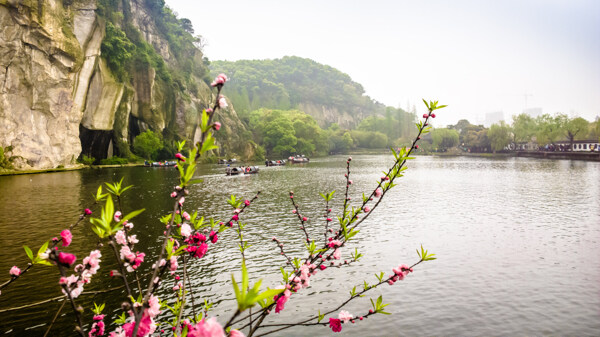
66 88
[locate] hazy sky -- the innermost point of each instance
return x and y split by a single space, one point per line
477 56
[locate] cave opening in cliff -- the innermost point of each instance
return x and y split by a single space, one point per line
134 128
96 143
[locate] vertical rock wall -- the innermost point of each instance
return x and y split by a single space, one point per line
58 97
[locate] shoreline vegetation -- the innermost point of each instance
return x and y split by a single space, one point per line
585 156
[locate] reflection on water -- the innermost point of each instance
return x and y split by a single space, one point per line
517 241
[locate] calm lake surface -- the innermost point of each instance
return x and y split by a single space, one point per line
517 241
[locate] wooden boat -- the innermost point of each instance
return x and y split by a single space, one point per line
275 162
298 159
233 171
160 163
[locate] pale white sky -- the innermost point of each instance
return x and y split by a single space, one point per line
477 56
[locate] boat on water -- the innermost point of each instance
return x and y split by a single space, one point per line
275 162
298 159
160 163
227 161
234 171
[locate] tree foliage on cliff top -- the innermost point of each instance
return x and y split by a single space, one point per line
286 82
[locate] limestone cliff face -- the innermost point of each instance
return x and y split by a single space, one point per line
39 57
59 98
326 115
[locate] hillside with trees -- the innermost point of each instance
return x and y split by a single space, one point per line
327 94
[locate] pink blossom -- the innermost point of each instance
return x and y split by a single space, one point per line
145 328
186 230
334 243
280 303
97 328
378 192
207 328
186 216
366 209
15 271
173 263
294 211
120 237
222 102
329 220
213 237
217 126
322 267
425 116
432 115
335 324
219 80
154 306
236 333
179 156
181 201
202 249
118 216
133 239
66 259
92 262
174 194
349 182
88 211
209 110
235 217
344 316
337 254
304 218
247 202
416 146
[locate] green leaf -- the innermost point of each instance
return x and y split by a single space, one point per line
28 252
269 293
426 104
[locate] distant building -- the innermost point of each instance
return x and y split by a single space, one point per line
493 117
533 112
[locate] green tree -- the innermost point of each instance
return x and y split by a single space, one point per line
117 50
524 127
550 128
279 138
574 127
499 135
147 145
444 139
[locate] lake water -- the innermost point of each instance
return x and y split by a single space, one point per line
517 241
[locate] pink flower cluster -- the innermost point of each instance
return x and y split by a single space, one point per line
399 273
209 328
334 243
281 299
197 246
130 259
97 328
219 80
66 237
336 323
87 269
147 324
